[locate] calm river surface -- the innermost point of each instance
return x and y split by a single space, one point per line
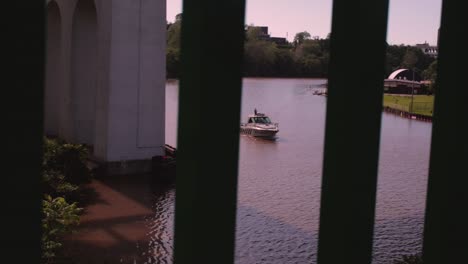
279 181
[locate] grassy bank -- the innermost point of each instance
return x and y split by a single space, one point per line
422 104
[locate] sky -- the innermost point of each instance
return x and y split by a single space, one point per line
410 21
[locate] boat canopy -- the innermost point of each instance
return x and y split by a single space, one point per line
258 115
259 119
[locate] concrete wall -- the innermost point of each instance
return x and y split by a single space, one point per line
53 70
137 68
84 52
105 79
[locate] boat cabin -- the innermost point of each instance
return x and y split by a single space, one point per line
259 119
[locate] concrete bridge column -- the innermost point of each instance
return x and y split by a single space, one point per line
112 73
136 113
53 70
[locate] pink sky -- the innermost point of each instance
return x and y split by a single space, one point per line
410 21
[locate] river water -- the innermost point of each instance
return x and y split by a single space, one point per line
279 181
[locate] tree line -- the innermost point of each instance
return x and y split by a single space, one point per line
305 56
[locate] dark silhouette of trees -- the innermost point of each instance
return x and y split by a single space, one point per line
300 37
304 57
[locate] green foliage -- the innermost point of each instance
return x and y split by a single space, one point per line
410 59
300 37
259 57
59 217
285 64
410 259
304 57
173 48
54 184
253 34
173 34
172 63
66 159
64 170
401 56
431 74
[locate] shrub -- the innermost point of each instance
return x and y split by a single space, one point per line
68 159
58 219
54 184
64 170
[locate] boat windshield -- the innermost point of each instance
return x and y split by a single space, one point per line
262 120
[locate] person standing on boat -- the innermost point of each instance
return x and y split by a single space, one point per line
255 111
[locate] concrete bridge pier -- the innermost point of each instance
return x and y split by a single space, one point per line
105 78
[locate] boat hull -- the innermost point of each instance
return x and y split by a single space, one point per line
263 133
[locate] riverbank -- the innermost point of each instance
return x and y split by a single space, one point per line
422 106
407 114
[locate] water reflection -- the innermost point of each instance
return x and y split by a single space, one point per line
160 225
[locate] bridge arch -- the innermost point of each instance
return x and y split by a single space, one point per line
54 67
84 53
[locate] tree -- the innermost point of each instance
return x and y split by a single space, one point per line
259 58
285 64
253 33
309 47
300 37
312 58
173 33
431 74
395 55
172 63
410 59
309 66
173 48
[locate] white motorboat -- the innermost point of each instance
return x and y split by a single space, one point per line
259 125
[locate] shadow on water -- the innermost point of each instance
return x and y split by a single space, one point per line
263 239
139 229
127 220
260 140
396 237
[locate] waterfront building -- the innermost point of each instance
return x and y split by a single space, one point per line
404 81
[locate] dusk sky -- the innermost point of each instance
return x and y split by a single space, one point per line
410 21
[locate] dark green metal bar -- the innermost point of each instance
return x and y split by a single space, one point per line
208 131
23 82
446 223
354 110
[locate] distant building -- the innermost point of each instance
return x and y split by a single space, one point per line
264 35
263 31
404 81
428 49
279 41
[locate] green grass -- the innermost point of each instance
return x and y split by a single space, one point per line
422 104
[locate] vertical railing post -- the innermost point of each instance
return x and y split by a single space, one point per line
446 223
354 110
23 78
208 131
